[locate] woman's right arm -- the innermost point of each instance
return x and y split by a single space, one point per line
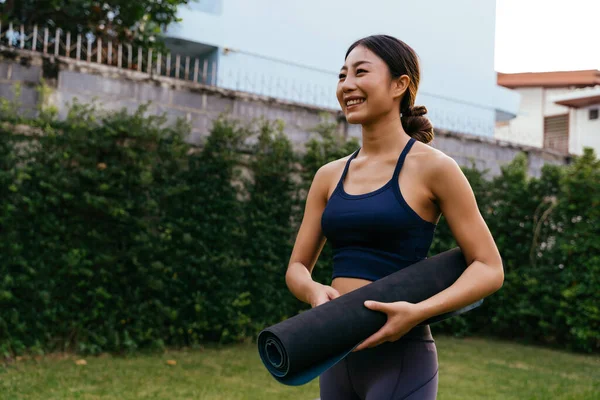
309 243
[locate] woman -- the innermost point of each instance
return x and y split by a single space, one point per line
379 208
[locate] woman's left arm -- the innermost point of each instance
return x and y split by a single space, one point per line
484 274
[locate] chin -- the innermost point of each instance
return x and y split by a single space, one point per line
355 118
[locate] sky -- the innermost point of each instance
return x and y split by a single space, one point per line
547 35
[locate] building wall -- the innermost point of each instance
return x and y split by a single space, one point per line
265 76
528 127
588 132
551 108
200 104
306 42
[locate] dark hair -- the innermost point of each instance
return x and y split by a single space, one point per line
401 59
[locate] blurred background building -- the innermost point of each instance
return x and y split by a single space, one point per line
559 110
294 51
281 60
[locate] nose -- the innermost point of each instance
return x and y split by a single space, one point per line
348 84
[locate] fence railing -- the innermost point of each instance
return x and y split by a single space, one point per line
136 58
95 50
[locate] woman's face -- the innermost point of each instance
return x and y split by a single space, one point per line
365 89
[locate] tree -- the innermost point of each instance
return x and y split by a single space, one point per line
138 22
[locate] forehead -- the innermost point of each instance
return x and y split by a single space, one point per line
361 53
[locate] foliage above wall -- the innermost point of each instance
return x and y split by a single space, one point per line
135 22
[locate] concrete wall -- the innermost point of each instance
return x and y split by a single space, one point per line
200 104
22 74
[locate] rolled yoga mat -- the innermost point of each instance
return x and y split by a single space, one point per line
304 346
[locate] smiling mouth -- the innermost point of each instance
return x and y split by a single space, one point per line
354 103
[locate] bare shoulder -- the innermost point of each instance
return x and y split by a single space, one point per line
430 159
333 167
438 169
328 174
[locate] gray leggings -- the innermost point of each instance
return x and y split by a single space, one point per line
404 369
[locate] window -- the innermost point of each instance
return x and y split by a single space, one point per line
556 132
593 114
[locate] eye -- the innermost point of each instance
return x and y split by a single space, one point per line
358 71
341 76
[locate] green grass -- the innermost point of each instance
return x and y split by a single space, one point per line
469 369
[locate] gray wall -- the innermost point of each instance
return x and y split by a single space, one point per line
21 72
116 88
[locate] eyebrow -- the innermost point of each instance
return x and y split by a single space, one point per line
356 64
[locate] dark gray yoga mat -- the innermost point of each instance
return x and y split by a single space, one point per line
304 346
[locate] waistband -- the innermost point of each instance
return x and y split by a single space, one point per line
422 333
419 334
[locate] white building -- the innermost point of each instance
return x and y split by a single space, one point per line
559 110
294 50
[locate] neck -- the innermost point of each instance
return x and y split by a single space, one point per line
385 135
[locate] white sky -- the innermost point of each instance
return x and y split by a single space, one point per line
547 35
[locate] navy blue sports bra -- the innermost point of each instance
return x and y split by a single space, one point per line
377 233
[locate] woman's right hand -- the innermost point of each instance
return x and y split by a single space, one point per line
322 294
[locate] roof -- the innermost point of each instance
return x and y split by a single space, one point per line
579 98
584 78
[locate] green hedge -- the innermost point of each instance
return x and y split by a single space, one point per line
117 235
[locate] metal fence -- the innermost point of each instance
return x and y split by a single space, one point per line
91 49
136 58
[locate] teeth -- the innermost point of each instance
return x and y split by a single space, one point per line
352 102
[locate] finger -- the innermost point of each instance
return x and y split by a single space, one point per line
363 345
374 339
375 343
359 347
366 345
375 305
333 294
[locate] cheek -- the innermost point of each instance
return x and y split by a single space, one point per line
340 95
338 92
377 93
370 87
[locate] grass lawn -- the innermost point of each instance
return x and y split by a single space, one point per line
469 369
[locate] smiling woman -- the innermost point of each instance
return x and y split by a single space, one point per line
373 60
379 208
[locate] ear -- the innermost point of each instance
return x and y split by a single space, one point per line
400 85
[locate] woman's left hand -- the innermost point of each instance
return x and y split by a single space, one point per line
402 317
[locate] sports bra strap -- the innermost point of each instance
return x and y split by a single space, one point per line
402 157
347 166
405 151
